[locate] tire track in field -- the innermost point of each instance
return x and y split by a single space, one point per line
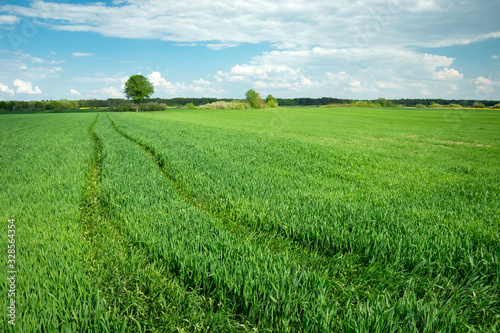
348 294
137 294
274 243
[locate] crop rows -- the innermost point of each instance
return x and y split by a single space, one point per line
397 234
284 221
43 163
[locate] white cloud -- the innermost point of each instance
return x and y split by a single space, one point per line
494 57
158 81
81 54
201 81
482 80
389 85
221 46
5 89
348 72
224 23
74 92
357 87
352 49
448 74
109 92
8 19
102 79
36 60
484 89
199 87
25 87
424 6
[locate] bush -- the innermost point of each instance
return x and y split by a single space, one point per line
234 105
153 106
478 105
420 106
271 102
435 105
123 106
384 103
455 106
191 106
496 106
364 104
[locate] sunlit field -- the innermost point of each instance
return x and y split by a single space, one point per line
274 220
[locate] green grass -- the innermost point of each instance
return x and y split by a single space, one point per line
311 220
43 163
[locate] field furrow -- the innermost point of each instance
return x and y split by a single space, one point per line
267 287
390 226
139 294
287 220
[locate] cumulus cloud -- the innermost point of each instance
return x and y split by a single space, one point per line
6 90
25 87
321 48
199 87
485 88
158 81
482 80
448 74
74 92
201 81
348 72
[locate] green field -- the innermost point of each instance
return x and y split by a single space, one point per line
284 220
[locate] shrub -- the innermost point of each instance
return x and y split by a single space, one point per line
123 106
191 106
153 106
384 103
420 106
478 105
364 104
271 102
235 105
496 106
455 106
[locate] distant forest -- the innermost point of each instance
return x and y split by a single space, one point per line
181 101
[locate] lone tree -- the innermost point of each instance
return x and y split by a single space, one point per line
138 88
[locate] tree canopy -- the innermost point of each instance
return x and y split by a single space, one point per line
252 98
138 88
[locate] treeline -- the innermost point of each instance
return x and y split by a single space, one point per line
407 102
64 104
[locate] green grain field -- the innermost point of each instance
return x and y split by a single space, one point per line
282 220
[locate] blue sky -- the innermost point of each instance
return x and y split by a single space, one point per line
361 49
